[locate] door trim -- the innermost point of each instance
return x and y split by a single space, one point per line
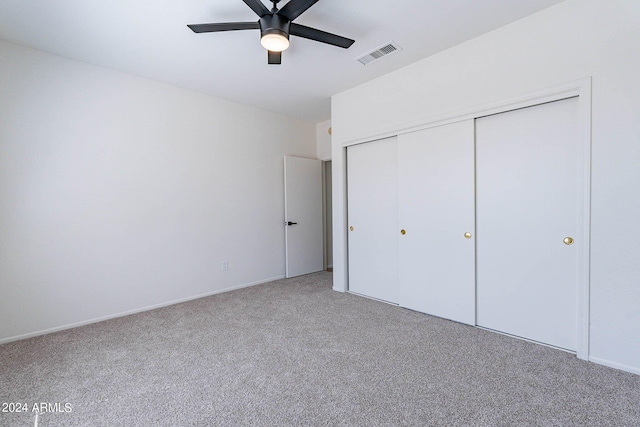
580 88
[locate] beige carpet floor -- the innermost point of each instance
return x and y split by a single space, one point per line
295 353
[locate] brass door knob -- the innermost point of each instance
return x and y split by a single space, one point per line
351 228
403 232
467 235
568 241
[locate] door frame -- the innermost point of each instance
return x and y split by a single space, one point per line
579 88
327 230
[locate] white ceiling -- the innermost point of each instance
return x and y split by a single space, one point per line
149 38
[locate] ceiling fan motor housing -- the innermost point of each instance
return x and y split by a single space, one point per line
274 24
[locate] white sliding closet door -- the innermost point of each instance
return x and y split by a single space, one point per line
528 191
372 189
436 209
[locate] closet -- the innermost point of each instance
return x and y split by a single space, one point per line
475 221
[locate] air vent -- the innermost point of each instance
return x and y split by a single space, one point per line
378 53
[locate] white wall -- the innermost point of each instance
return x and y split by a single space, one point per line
570 41
323 140
119 193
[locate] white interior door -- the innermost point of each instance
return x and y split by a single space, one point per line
528 192
436 209
303 215
372 189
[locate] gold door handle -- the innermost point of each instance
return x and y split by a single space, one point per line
467 235
568 241
351 228
403 232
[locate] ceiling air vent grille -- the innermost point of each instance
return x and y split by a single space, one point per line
378 53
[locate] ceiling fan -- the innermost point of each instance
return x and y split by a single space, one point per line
275 27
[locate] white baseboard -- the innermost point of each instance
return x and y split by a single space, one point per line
610 364
134 311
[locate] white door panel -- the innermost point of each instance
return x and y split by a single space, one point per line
528 192
373 215
436 208
303 206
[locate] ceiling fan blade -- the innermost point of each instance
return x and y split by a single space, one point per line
274 57
258 7
295 8
319 35
224 26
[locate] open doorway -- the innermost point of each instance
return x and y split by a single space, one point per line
326 215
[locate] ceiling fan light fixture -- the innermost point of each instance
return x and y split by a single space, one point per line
274 40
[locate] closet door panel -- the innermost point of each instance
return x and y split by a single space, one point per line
372 190
528 191
436 210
